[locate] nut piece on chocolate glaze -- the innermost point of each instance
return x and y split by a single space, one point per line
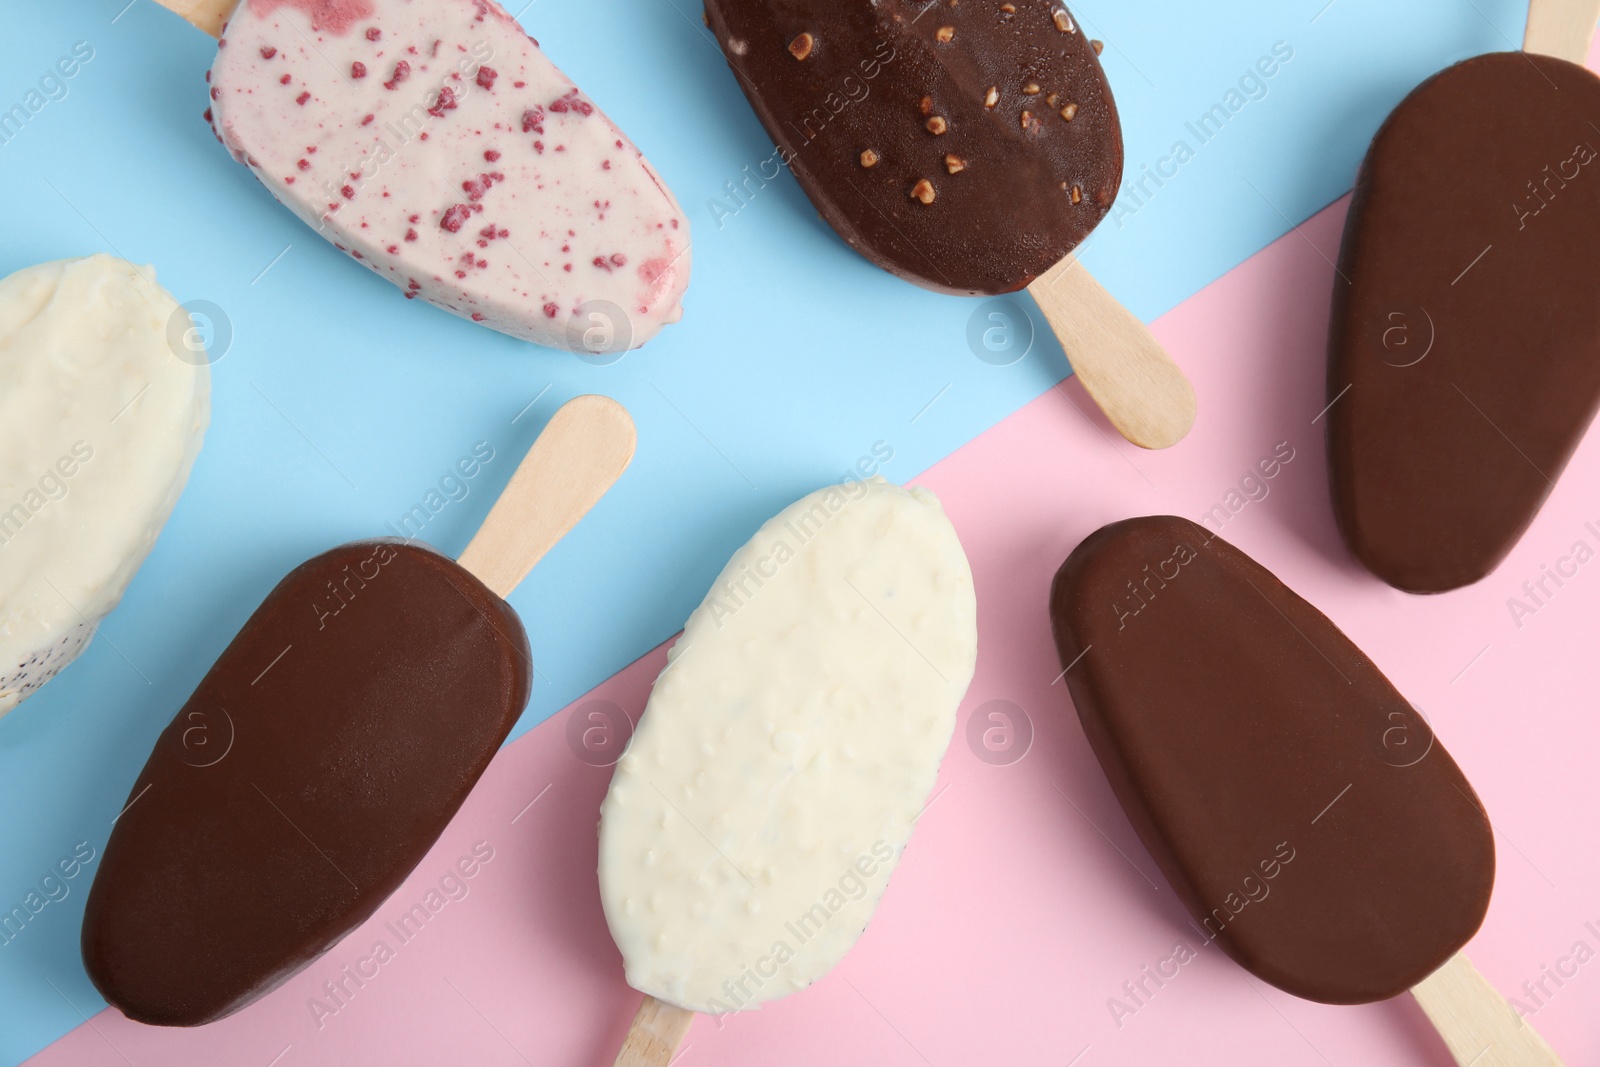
801 46
970 242
954 163
923 192
869 158
1069 112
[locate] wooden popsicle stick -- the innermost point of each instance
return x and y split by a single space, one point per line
584 449
1561 28
1124 368
207 15
658 1029
1477 1025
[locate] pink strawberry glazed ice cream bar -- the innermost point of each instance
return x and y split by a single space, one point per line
433 142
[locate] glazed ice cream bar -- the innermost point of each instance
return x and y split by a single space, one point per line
328 747
1303 811
101 418
787 749
313 767
1464 354
972 147
434 142
968 148
1228 713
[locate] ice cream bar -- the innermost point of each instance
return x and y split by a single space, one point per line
328 747
965 148
1464 354
968 148
101 418
434 142
787 750
310 771
1303 811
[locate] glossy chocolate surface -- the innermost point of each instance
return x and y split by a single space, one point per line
1464 354
963 147
314 766
1303 810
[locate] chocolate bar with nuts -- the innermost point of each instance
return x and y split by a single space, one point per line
965 147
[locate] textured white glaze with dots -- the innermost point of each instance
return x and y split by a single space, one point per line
434 142
788 748
100 423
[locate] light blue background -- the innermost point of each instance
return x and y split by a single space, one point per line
339 404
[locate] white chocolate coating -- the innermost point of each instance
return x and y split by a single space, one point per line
434 142
788 748
100 423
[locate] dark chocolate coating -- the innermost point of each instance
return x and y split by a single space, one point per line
290 797
1238 726
878 72
1470 380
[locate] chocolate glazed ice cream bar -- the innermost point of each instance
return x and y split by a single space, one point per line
1300 807
985 149
329 746
434 142
1464 354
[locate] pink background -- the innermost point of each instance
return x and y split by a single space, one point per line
1025 900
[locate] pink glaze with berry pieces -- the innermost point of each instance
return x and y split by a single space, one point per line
434 142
